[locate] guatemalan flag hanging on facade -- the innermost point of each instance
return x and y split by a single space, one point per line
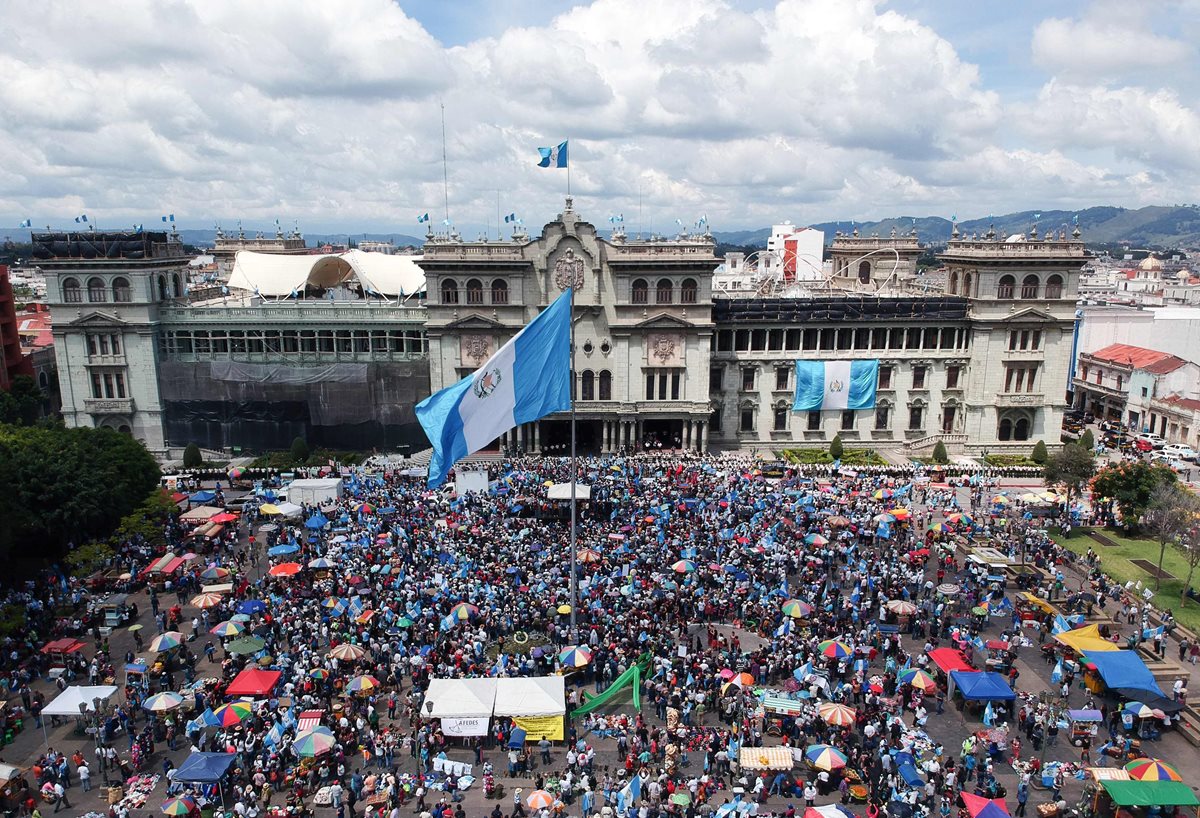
528 378
822 385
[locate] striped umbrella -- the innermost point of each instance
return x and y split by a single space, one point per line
816 539
575 656
228 629
1138 709
834 649
883 494
233 713
1001 500
540 799
902 607
348 652
166 641
318 673
314 742
588 555
941 528
959 518
214 572
362 684
900 513
162 702
179 805
684 567
825 757
366 508
836 714
797 608
1152 769
322 562
206 600
918 678
464 610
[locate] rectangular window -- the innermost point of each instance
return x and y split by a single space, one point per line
1145 392
103 344
1008 378
782 376
781 418
715 419
885 377
879 338
747 420
810 339
1032 374
930 340
97 389
742 340
914 339
881 416
91 345
1099 377
814 421
845 338
758 340
848 419
952 377
747 379
108 386
775 340
1120 382
918 373
308 340
896 338
1036 341
1012 339
662 386
116 344
862 338
948 336
827 338
1020 382
650 386
916 418
120 385
714 378
1024 339
676 379
725 341
794 337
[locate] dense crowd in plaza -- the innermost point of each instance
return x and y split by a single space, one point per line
825 589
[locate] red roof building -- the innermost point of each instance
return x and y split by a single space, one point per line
13 361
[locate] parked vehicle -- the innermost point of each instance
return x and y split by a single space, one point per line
1154 440
1181 451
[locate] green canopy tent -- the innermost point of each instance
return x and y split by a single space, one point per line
1150 793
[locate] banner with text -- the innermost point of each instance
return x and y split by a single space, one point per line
466 727
537 726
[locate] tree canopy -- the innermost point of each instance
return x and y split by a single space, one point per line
1071 466
1130 486
68 485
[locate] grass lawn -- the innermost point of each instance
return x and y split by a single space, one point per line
1116 563
850 457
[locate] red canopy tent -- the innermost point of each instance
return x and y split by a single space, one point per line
253 682
948 659
63 646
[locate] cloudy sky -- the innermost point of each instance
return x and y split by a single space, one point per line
747 111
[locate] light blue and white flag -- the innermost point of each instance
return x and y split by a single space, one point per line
170 217
81 219
527 379
822 385
555 157
26 223
424 217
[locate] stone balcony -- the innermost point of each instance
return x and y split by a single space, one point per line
108 406
1022 399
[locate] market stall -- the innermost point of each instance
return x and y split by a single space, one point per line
537 704
464 705
253 682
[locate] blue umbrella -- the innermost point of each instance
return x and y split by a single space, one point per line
281 550
252 606
316 522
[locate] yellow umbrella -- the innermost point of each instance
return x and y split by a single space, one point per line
269 508
564 609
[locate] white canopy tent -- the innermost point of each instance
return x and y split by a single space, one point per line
290 509
461 698
562 491
67 703
272 275
533 696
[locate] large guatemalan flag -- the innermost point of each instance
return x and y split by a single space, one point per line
824 385
528 378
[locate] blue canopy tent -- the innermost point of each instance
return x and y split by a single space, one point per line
1124 668
984 686
203 497
206 768
516 739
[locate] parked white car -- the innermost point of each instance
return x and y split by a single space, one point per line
1154 440
1181 451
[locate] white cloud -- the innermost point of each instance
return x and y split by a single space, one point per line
1112 42
329 112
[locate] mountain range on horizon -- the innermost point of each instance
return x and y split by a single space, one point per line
1151 227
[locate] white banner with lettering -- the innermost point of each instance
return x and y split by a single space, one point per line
466 727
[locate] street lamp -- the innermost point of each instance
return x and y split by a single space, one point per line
429 707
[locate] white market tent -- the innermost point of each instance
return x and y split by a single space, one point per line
535 696
461 698
562 491
200 513
268 274
67 703
289 509
315 490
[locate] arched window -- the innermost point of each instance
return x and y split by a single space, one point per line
1005 432
641 291
1021 429
688 291
1030 286
664 292
864 272
176 289
1054 286
1005 288
71 292
474 291
449 291
162 288
43 380
587 385
122 294
499 291
605 385
952 282
966 288
96 290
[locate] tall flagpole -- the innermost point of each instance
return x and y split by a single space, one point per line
574 472
568 142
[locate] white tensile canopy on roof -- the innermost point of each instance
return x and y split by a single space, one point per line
269 274
531 696
461 698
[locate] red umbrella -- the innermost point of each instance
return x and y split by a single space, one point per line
223 517
285 569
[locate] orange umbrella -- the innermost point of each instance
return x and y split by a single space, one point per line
285 569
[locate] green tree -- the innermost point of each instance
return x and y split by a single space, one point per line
1189 546
1170 514
835 447
22 403
1128 487
300 450
192 459
1087 440
1070 467
1039 453
147 520
88 558
940 455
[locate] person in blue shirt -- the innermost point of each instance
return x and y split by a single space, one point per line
1022 797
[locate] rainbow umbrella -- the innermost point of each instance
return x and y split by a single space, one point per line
314 742
540 799
166 641
235 473
285 569
900 513
959 518
179 805
816 539
1152 769
918 678
883 494
588 555
208 600
233 713
1001 500
322 562
214 572
362 684
684 567
796 608
228 629
902 607
577 656
834 649
838 715
318 673
941 528
366 508
464 610
348 652
825 757
162 702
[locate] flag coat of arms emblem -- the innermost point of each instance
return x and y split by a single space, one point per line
553 157
826 385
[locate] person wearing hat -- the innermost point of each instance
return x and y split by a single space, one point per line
518 804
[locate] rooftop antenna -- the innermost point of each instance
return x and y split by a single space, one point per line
445 173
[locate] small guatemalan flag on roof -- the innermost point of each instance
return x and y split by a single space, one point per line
555 157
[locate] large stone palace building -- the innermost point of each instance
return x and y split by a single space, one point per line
981 363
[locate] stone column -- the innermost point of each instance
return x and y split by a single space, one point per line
537 435
703 437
